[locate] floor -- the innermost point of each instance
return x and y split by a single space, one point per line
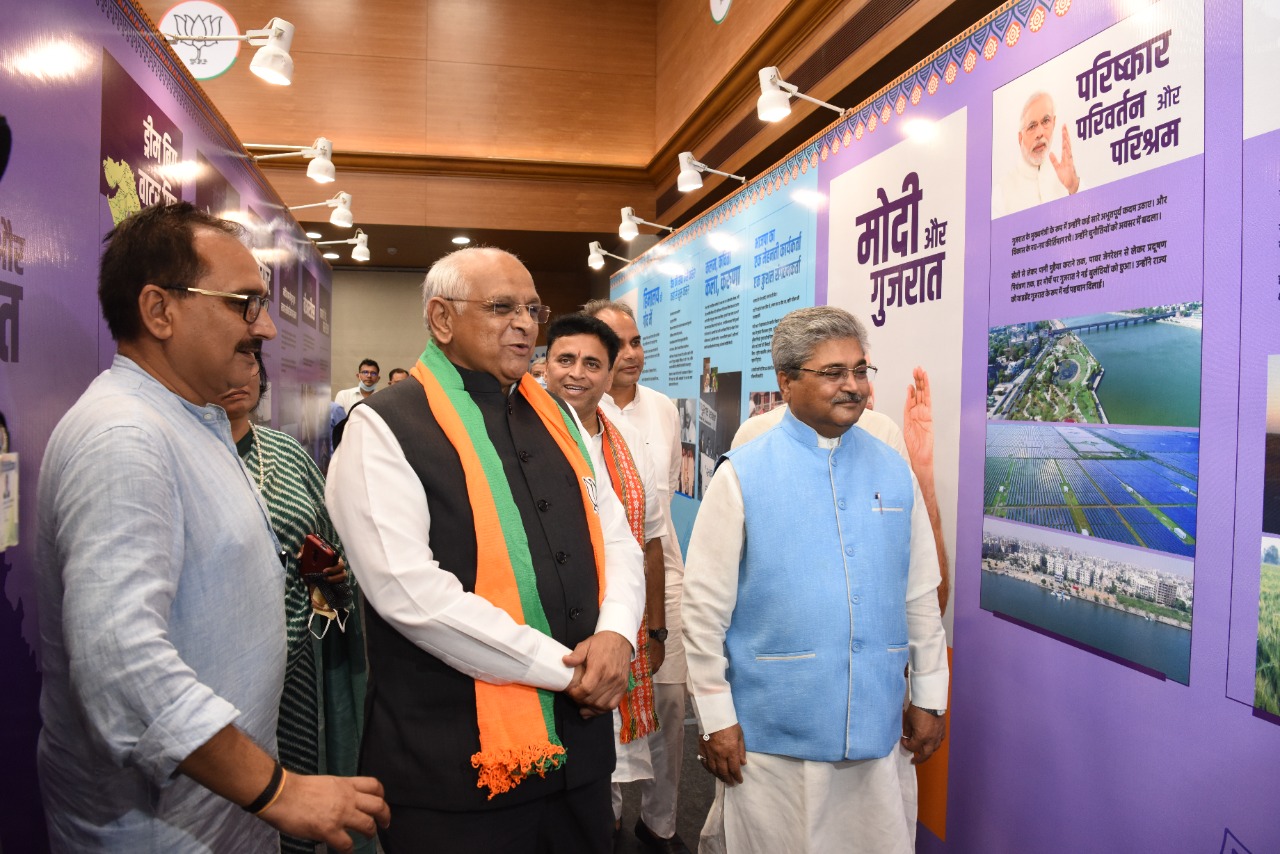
697 789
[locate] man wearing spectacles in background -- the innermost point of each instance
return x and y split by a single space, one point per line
797 645
367 384
161 593
504 585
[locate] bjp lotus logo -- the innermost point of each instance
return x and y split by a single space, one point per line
195 27
189 24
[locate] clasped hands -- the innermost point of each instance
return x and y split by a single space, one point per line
600 667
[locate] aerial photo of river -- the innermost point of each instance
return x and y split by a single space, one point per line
1152 371
1152 644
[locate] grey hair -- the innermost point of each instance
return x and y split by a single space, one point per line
595 306
802 331
1035 96
447 277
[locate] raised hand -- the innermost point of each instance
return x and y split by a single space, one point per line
1066 167
917 425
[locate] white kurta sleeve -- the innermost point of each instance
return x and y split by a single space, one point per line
623 604
380 510
925 634
710 595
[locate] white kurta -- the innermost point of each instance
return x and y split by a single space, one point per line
1025 186
653 418
657 423
876 423
634 761
348 398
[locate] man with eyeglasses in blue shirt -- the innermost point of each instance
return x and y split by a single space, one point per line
160 588
797 645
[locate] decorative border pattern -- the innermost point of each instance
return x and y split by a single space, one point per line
1001 29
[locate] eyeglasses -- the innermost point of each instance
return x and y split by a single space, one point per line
502 308
1046 122
368 373
253 303
861 374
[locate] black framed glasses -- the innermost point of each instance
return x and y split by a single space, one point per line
861 374
538 312
253 303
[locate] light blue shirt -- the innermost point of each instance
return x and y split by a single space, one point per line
161 619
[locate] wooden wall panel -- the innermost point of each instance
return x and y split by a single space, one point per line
347 107
391 28
354 62
537 114
568 35
469 202
694 53
542 79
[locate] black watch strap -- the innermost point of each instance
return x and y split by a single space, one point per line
660 635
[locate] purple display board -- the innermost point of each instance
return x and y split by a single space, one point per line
1254 676
102 120
1092 454
1097 311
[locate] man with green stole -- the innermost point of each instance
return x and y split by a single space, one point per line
505 588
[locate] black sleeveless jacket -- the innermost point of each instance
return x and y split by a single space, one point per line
420 724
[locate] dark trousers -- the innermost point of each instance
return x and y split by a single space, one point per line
575 821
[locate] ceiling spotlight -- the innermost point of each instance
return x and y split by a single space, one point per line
461 241
331 256
628 229
272 61
774 103
690 173
595 258
320 169
360 241
341 204
314 235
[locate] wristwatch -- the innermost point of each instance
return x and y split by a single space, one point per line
937 713
660 635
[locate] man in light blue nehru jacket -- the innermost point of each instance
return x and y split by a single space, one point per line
809 591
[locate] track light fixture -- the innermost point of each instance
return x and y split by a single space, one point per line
628 229
595 258
774 103
690 173
272 62
320 169
360 241
341 215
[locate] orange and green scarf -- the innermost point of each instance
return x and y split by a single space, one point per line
638 716
517 722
